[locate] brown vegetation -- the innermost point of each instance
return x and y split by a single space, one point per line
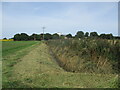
87 55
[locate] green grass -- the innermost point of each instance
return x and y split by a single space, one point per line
0 65
34 67
12 51
10 47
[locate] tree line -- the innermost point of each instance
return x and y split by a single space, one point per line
48 36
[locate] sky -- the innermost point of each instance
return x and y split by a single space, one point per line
64 17
0 20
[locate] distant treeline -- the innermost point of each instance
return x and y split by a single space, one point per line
47 36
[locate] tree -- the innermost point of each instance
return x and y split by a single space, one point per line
103 36
62 36
117 37
106 36
21 37
24 37
47 36
109 36
4 38
86 34
35 37
94 34
55 36
17 37
38 37
69 36
80 34
41 36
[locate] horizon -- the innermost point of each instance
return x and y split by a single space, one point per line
58 34
64 17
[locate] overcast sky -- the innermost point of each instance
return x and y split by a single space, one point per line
64 17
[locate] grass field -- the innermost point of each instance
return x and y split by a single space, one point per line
0 65
29 64
10 47
11 53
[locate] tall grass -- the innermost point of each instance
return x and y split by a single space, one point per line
87 55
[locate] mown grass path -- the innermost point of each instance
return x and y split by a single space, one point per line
10 57
37 69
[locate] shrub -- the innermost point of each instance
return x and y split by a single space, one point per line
93 55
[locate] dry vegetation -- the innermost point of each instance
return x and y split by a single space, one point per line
35 66
87 55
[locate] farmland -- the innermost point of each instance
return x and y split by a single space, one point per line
12 47
11 53
34 64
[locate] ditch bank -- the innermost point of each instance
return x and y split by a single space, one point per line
58 61
85 56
